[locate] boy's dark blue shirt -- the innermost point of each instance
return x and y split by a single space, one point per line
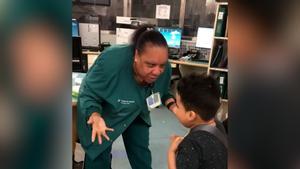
201 150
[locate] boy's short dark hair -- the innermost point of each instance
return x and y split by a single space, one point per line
200 93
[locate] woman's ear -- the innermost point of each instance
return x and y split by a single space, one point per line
136 55
135 58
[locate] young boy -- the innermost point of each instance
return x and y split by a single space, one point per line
197 101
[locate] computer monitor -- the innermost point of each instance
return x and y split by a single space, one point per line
90 35
205 38
75 28
76 47
79 60
172 36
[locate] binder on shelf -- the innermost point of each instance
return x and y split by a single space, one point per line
223 85
221 21
224 60
223 63
226 31
217 58
226 93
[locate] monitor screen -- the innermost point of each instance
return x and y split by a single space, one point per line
172 36
205 37
75 28
76 47
90 34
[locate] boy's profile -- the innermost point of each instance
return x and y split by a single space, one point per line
197 102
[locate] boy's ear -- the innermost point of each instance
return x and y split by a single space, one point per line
192 115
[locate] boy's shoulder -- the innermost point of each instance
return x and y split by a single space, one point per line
201 146
202 140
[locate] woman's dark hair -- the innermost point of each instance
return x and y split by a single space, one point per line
147 34
201 94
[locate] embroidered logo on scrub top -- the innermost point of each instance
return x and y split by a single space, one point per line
121 101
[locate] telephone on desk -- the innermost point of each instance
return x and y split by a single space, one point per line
174 53
196 56
174 56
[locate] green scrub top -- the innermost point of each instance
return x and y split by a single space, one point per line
110 89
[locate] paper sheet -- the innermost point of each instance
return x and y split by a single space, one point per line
163 11
205 37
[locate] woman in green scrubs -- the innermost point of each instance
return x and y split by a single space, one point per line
112 99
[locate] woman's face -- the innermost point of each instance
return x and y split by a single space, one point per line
151 62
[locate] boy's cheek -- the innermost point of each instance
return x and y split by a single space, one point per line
176 114
175 111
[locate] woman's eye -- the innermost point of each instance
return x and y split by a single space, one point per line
162 66
151 65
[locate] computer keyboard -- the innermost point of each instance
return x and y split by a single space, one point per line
175 57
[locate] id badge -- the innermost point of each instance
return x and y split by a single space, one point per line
153 101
